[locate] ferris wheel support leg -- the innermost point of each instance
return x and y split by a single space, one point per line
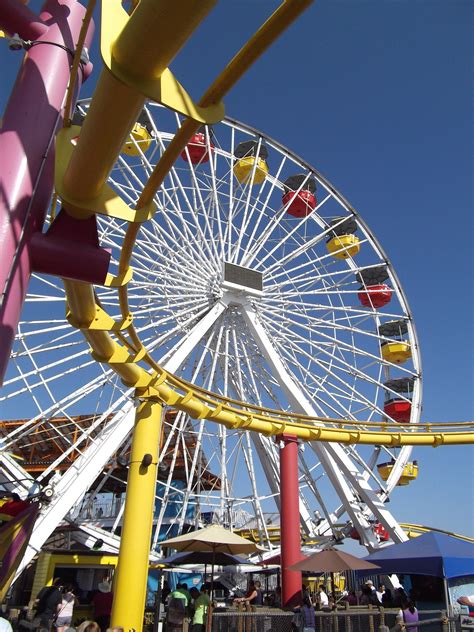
289 521
31 118
132 570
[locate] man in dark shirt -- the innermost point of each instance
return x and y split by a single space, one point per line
102 602
49 598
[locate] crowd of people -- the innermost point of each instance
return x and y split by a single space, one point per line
305 615
53 610
183 604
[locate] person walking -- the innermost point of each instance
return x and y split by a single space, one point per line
307 614
323 604
323 599
409 613
48 602
102 602
380 593
201 606
65 610
176 610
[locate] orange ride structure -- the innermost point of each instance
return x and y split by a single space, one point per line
224 305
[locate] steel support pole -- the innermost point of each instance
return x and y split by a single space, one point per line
289 521
132 570
17 18
31 119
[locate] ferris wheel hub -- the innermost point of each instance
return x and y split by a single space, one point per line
241 281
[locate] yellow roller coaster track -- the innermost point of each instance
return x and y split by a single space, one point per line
81 175
412 531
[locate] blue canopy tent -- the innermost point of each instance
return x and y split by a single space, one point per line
435 554
429 554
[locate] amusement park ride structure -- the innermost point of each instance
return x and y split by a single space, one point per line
277 316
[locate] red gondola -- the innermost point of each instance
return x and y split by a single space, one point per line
299 204
398 409
299 195
197 149
375 296
378 529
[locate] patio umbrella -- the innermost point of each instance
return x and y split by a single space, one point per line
331 561
203 557
214 539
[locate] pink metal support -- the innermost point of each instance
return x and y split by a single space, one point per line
16 18
71 249
31 119
289 521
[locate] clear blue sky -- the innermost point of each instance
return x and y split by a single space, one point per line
377 95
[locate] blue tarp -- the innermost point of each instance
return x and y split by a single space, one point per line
429 554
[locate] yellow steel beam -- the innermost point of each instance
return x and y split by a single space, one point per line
132 570
280 20
164 27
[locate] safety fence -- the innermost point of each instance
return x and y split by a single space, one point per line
274 620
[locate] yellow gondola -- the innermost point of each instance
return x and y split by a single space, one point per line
244 166
396 352
409 473
343 246
141 136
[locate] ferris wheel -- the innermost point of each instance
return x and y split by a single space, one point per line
256 280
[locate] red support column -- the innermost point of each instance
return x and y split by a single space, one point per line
289 521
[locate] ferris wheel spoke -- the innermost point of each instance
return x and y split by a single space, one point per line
337 407
32 424
168 485
298 228
199 439
326 454
306 267
330 518
320 324
350 370
219 212
368 472
51 284
163 257
304 247
248 255
348 311
60 343
347 348
193 214
194 237
192 317
249 210
45 328
40 370
241 392
174 358
173 176
270 228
